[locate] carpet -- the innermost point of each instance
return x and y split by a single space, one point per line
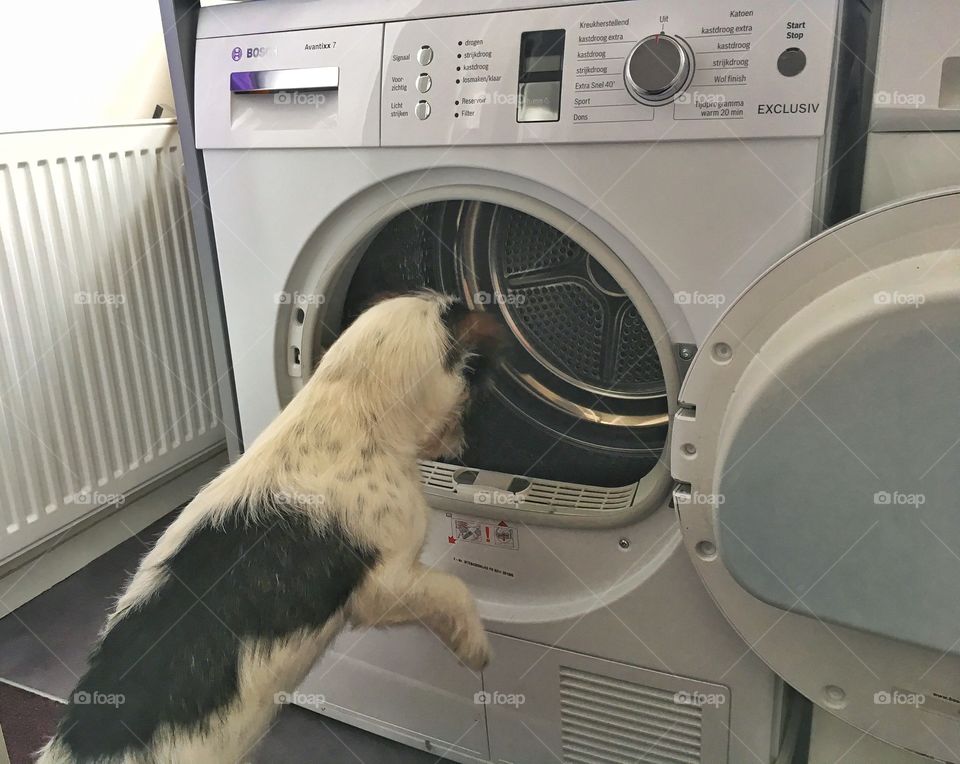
28 721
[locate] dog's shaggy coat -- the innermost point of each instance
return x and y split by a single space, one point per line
319 524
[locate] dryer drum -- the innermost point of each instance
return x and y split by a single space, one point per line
562 305
583 369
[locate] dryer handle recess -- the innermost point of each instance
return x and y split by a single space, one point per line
322 78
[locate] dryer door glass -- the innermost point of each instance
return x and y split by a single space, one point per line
581 396
817 452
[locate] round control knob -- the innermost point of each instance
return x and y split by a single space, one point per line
658 69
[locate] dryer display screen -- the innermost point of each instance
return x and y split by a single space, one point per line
541 74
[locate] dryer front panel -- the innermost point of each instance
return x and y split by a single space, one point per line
600 72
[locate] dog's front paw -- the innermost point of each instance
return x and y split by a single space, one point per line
474 651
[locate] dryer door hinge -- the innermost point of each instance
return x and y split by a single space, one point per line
684 352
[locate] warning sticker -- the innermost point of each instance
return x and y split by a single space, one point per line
472 530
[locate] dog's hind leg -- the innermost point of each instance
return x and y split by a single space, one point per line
392 595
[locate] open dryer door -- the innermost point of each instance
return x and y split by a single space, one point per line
817 454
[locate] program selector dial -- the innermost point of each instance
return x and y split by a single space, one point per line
658 69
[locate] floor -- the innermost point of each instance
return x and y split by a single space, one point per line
45 644
27 719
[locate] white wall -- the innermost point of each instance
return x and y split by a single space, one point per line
72 63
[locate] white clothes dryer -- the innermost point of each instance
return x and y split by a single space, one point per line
612 180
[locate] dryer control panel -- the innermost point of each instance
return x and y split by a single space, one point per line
622 71
629 70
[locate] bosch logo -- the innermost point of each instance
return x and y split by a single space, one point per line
237 53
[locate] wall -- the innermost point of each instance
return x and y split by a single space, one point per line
76 63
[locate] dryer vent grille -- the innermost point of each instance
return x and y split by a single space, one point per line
437 476
543 496
612 721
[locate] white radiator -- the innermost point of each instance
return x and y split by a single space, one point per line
106 372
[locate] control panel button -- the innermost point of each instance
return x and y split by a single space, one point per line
422 110
424 55
424 83
658 69
791 62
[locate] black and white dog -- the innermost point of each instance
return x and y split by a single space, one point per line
318 525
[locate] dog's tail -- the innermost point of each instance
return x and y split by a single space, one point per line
55 752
